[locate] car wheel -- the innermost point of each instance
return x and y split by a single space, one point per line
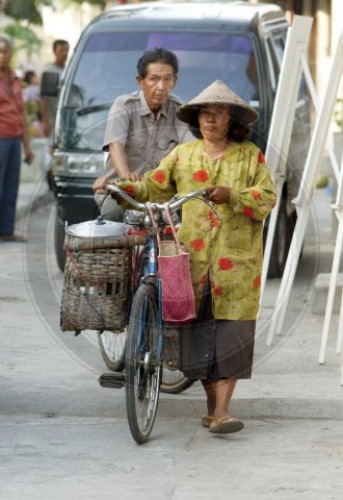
59 241
282 242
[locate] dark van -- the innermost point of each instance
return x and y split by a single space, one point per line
237 42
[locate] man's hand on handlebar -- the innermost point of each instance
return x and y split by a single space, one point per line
99 185
114 191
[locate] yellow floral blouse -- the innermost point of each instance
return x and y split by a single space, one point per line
228 249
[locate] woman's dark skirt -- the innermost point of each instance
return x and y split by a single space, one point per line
212 349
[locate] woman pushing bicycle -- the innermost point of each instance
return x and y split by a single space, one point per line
225 245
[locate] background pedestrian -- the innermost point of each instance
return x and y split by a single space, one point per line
49 104
32 103
13 133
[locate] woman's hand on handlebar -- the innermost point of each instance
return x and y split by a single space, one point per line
218 194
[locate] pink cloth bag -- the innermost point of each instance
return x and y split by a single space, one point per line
178 299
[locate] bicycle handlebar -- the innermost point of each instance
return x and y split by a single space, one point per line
142 206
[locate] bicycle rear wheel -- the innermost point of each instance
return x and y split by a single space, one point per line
112 348
143 363
173 380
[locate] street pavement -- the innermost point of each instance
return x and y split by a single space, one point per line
64 436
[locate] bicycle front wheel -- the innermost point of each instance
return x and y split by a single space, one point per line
143 363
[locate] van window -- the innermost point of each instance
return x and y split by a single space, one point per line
275 47
107 69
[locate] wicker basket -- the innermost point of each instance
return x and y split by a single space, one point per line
96 291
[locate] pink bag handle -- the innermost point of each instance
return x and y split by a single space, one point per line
154 223
170 222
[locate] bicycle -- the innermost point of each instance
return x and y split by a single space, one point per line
113 345
144 349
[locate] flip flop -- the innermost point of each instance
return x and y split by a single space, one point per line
226 425
206 420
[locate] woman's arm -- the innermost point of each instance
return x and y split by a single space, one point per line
256 200
259 197
157 184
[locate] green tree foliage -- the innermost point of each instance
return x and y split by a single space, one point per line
100 3
29 10
24 36
26 10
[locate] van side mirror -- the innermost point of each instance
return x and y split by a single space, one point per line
49 85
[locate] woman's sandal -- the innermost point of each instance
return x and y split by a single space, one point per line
206 421
226 425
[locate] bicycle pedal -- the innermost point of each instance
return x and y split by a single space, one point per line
114 380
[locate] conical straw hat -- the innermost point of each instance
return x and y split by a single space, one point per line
217 93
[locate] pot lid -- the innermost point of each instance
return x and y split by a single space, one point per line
98 228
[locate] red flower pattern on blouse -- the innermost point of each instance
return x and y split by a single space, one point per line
203 279
130 190
218 291
159 176
257 282
248 211
256 194
200 176
198 245
224 264
261 158
214 221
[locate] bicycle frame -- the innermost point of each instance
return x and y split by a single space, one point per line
152 252
150 273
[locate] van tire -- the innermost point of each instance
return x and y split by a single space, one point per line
59 241
282 242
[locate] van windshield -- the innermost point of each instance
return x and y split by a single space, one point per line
107 69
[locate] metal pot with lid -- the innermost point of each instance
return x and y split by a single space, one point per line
94 233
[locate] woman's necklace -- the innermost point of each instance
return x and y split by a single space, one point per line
215 153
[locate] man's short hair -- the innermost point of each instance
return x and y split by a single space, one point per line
58 43
157 55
